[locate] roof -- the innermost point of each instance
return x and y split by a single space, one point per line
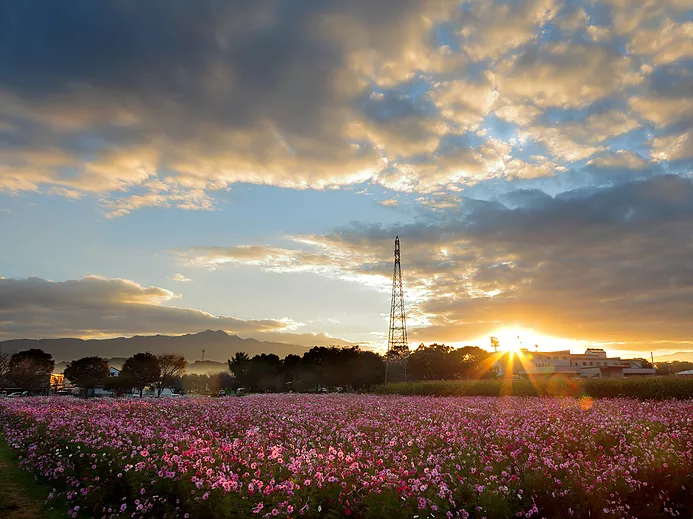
688 372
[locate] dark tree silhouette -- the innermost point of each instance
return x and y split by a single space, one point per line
87 372
172 366
366 370
264 373
290 367
31 369
429 362
239 365
143 369
470 362
121 384
4 369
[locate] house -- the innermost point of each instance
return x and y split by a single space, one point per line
687 373
594 363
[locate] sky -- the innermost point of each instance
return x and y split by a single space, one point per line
172 166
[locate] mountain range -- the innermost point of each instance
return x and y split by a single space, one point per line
217 345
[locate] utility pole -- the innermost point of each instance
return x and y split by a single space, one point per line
397 345
203 355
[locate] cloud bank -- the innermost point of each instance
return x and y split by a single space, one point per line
94 307
162 105
610 265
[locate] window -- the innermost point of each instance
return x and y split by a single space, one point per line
590 363
584 364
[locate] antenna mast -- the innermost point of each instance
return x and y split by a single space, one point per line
397 345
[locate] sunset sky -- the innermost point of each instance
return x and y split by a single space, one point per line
173 166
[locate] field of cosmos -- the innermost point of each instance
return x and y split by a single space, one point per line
357 456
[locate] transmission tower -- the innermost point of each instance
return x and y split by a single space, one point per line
397 346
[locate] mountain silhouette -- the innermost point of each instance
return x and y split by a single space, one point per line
218 346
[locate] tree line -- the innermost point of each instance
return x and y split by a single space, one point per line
329 367
320 367
31 370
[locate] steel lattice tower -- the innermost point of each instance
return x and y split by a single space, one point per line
397 345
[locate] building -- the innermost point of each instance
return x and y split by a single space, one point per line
594 363
687 373
57 381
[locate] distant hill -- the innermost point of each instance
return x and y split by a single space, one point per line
205 367
686 356
218 345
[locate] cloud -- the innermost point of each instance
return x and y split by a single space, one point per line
609 264
390 202
578 139
666 44
180 277
205 95
166 105
505 25
519 169
566 75
95 306
619 159
673 147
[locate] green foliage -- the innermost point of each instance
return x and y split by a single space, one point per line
657 388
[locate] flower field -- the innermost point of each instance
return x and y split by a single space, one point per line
359 456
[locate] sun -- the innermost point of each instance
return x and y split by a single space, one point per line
514 339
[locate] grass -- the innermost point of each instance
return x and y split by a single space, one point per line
654 388
20 496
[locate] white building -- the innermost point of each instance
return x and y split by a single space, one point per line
594 363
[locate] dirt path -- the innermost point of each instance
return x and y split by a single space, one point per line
20 496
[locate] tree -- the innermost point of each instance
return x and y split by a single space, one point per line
172 366
4 368
195 383
673 367
264 372
290 369
470 362
143 369
429 362
239 365
87 372
366 370
119 385
31 369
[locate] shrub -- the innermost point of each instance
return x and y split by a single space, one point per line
650 388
